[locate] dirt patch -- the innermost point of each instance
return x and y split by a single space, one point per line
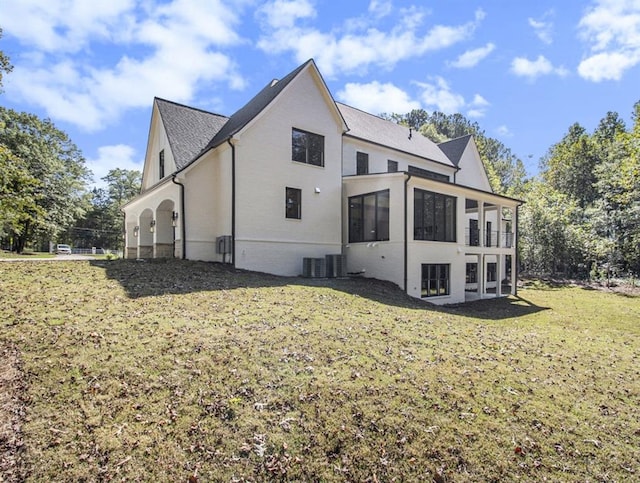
11 415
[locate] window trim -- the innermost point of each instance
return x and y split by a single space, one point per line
419 195
425 282
306 147
362 163
161 166
294 203
362 238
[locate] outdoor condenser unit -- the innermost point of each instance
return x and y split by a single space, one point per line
336 266
314 267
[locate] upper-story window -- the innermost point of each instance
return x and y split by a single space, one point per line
161 164
392 166
428 174
434 216
307 147
362 163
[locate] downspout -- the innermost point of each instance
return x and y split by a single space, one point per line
233 202
406 227
183 225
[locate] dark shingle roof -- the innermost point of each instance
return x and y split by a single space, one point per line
188 129
252 108
368 127
455 148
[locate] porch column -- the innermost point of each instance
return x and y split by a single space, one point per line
499 274
481 276
514 277
500 228
481 228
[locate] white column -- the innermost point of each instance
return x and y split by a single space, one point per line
481 227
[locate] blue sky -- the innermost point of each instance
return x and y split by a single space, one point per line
525 71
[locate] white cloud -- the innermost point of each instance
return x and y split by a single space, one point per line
543 28
377 98
504 131
611 29
471 58
438 96
521 66
171 49
361 46
606 66
380 8
284 13
112 157
65 26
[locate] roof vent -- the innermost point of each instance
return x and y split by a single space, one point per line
273 82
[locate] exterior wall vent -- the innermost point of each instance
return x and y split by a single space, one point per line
314 267
336 266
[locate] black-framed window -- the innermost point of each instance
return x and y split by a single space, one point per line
392 166
161 164
362 163
492 272
293 203
435 279
369 217
434 216
472 273
428 174
307 147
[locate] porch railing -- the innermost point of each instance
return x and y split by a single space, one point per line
491 238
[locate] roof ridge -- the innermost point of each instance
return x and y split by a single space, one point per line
179 104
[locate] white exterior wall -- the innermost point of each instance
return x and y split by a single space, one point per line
265 239
157 142
383 260
208 204
379 155
472 172
432 252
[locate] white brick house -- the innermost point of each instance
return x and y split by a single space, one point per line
294 176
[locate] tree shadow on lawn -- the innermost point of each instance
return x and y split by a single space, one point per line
169 276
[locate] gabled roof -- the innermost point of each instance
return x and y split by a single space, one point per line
455 148
188 129
255 106
374 129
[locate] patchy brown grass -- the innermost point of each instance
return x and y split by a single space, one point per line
176 370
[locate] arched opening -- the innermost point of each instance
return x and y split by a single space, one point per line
165 230
146 234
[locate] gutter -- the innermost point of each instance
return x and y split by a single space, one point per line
406 226
233 201
183 225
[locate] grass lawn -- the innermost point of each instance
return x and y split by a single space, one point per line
186 371
25 255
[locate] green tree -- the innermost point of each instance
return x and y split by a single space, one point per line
57 177
569 166
5 64
104 222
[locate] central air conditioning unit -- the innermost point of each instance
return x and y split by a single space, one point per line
336 266
314 267
223 244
